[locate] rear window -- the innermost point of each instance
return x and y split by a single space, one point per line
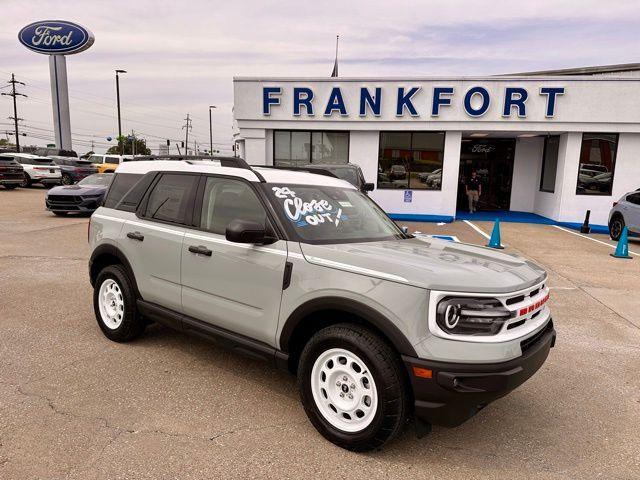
6 159
121 184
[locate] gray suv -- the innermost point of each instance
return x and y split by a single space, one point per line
308 273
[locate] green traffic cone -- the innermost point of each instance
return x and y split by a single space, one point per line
494 241
622 250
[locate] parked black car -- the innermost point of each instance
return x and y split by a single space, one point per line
84 197
55 152
74 169
11 172
350 172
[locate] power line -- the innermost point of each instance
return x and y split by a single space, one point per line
15 117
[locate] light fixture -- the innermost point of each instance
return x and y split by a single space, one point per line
479 135
528 135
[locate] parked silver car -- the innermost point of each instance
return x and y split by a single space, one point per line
307 272
625 212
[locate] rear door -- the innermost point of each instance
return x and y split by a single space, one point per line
152 240
231 285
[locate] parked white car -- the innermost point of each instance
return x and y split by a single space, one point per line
38 170
625 212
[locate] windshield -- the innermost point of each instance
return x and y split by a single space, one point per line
320 214
102 179
95 159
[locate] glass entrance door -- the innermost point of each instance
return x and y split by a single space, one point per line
492 160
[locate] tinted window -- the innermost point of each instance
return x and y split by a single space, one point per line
597 163
634 198
297 147
411 160
549 164
226 200
168 201
121 184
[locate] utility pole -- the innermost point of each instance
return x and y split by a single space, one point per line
187 127
211 130
119 121
15 117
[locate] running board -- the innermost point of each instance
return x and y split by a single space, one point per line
224 337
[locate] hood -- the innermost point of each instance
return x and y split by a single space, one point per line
78 190
430 263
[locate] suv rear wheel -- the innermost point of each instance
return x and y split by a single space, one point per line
352 387
114 304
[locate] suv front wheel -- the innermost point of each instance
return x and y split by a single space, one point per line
114 304
352 387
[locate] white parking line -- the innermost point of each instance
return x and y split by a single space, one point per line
477 229
592 239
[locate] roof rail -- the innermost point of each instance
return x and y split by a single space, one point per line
233 162
319 171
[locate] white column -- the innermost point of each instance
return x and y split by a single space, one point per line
450 173
60 101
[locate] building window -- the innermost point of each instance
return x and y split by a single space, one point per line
298 147
411 160
597 163
549 164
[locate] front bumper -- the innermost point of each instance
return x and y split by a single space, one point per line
456 391
72 204
48 180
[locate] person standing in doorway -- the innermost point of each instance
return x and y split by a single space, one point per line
473 187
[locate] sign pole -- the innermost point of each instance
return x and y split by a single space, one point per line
60 101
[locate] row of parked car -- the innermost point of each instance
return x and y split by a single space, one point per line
50 167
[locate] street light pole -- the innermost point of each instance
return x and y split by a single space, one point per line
119 120
211 130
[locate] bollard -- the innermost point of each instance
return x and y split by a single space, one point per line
585 228
622 250
494 241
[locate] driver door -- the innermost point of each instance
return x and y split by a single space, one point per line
234 286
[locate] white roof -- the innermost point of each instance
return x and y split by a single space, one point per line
271 175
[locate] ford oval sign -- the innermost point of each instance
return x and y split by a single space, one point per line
55 37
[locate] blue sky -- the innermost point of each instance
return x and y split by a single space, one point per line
182 56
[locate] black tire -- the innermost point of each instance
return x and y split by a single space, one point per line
388 375
11 186
67 179
616 226
132 324
60 214
26 181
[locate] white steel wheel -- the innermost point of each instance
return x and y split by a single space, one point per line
111 303
343 390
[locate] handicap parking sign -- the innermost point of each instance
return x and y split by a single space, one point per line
408 196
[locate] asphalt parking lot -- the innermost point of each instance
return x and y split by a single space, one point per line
74 405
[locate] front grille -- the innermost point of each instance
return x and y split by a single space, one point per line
64 199
527 343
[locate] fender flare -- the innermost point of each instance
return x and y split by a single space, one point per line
353 307
108 249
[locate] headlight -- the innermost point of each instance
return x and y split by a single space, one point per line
471 316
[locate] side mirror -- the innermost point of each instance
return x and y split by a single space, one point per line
245 231
369 187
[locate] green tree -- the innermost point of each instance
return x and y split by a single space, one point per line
127 143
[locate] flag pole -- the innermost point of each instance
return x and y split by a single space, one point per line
335 63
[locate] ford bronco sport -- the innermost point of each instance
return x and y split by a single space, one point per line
309 273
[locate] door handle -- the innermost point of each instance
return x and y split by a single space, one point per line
135 236
200 250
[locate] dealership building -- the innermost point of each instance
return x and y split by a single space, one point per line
555 143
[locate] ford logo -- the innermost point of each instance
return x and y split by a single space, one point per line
55 37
